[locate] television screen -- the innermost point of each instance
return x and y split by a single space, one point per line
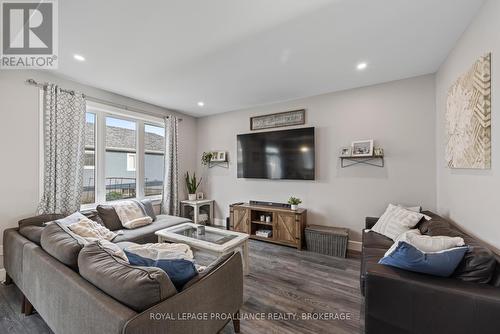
286 154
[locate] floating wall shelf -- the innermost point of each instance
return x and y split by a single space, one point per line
374 160
224 164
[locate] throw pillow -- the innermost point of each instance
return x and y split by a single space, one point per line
408 257
426 243
132 214
402 237
109 217
396 220
180 271
148 207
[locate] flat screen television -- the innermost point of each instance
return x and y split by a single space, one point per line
285 154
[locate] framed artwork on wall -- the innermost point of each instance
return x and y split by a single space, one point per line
468 118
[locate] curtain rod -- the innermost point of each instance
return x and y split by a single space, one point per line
98 100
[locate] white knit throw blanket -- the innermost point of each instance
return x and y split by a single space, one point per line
162 251
131 214
90 230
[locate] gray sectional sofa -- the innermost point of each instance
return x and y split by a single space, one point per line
98 294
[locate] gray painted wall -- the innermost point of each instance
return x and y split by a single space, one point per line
470 197
399 115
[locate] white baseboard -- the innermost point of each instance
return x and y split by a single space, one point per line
2 275
354 245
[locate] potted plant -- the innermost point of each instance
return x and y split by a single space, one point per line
206 157
294 202
192 185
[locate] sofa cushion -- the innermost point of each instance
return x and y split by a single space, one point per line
137 287
109 217
61 243
32 233
375 240
478 264
146 233
148 207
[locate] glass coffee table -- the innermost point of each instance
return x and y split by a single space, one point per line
214 240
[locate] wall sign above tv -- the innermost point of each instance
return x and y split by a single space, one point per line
285 154
287 118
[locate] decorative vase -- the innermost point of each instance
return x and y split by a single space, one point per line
192 197
294 206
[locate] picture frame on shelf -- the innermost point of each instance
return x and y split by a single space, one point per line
362 148
378 151
200 196
219 156
345 152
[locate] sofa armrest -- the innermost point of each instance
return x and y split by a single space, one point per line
399 301
370 221
218 294
40 220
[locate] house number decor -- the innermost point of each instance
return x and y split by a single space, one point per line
287 118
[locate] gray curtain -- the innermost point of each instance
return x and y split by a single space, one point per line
170 196
64 150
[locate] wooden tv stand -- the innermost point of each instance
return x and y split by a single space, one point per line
287 225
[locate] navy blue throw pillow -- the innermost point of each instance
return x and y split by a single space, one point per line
179 271
408 257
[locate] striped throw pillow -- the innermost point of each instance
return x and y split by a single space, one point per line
396 220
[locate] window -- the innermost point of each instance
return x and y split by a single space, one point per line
154 161
88 195
124 155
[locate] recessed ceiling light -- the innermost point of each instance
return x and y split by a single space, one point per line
79 57
361 66
201 104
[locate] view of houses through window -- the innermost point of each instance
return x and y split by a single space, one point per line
154 148
121 165
88 195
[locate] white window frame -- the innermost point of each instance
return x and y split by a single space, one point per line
102 111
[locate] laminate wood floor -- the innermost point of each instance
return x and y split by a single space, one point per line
284 285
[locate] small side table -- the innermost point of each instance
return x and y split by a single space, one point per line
196 205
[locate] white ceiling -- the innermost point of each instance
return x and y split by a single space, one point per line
234 54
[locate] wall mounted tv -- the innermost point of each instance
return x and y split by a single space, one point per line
285 154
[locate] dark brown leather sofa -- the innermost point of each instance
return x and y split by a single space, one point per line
403 302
